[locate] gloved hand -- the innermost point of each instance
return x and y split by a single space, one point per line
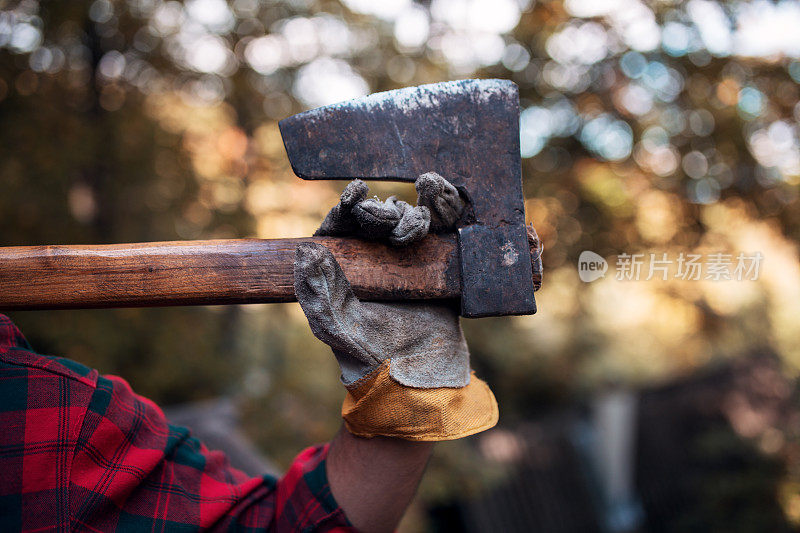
405 366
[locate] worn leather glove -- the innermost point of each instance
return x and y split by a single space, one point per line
405 366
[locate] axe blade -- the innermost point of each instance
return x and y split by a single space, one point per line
395 135
468 132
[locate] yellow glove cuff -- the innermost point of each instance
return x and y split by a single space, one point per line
378 405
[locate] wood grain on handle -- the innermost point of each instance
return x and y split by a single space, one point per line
214 272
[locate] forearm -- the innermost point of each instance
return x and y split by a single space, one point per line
374 480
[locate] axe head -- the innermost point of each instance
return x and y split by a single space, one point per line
466 131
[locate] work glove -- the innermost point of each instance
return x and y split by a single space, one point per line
405 366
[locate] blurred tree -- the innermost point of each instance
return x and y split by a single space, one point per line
646 126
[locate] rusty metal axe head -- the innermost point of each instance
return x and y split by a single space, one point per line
467 131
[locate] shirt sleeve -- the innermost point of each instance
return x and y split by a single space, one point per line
133 471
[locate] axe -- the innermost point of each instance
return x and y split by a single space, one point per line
467 131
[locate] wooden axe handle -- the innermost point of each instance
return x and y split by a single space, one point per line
215 272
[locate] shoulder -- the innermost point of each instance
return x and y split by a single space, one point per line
17 357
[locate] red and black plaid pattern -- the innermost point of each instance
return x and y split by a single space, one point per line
80 451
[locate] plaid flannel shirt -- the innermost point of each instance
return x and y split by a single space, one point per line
80 451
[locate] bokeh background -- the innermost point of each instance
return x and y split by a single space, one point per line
646 127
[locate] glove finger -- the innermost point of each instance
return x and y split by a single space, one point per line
377 219
320 285
428 186
355 192
442 198
447 213
331 308
340 220
413 226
